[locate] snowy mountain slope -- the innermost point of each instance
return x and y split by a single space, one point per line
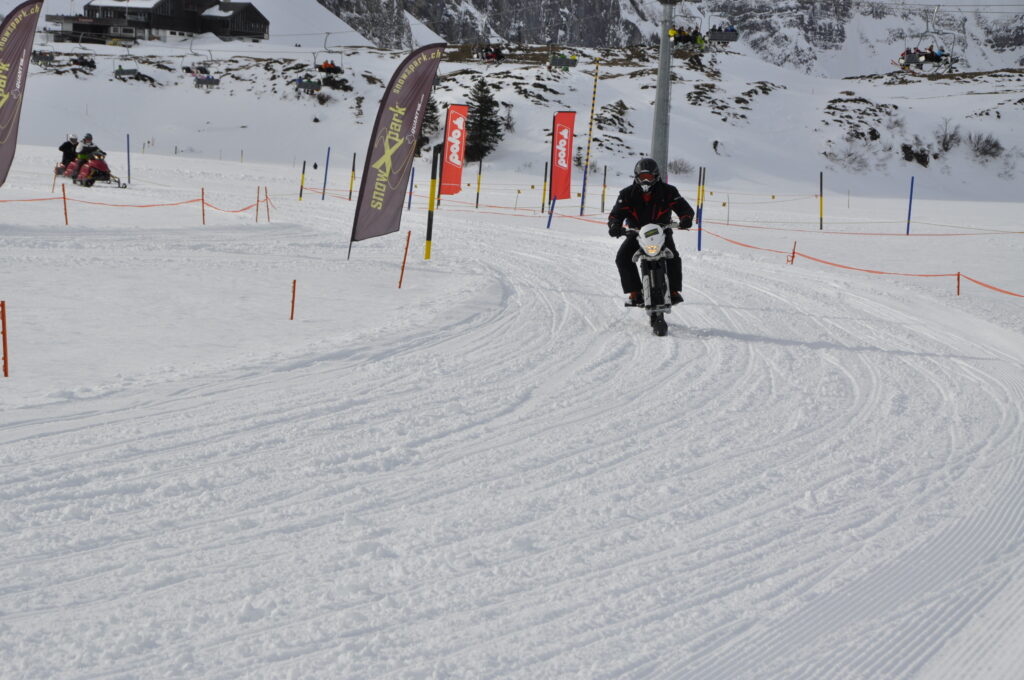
497 471
837 39
295 20
864 132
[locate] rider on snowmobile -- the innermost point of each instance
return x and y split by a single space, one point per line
87 148
647 200
68 149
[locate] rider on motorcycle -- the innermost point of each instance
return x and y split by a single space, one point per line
647 200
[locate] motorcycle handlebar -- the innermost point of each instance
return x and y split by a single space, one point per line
670 226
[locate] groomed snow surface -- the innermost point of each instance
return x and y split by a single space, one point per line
498 471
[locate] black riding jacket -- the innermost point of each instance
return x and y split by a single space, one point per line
68 149
637 208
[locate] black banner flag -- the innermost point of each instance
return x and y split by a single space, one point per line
16 34
393 144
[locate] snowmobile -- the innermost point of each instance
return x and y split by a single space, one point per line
653 258
69 170
97 170
93 170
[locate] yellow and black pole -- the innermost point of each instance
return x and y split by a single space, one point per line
479 174
604 187
435 159
821 201
590 136
544 190
302 180
352 179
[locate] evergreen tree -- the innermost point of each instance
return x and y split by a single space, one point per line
484 126
431 124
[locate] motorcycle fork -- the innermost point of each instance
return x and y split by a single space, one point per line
655 280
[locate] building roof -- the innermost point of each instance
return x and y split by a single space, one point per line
216 11
131 4
227 9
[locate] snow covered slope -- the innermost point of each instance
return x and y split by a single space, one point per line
497 471
774 126
302 21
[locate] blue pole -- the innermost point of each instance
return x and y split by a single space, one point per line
911 205
700 200
412 178
327 165
700 208
128 143
551 211
583 194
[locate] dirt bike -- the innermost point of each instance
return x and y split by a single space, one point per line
653 258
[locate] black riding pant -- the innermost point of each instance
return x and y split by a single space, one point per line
630 276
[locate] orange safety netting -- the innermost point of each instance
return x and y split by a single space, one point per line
134 205
532 212
138 205
30 200
796 253
225 210
974 232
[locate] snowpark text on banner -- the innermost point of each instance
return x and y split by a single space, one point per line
561 154
393 144
454 149
16 35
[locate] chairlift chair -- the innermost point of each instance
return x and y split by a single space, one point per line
563 61
83 57
722 35
939 62
41 58
308 85
197 63
129 71
207 81
330 67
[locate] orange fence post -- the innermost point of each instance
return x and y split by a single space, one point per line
266 197
202 200
294 281
3 334
64 195
257 204
792 256
958 284
408 237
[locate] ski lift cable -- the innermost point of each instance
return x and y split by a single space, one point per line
945 9
932 4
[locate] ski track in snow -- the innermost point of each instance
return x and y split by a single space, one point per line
516 479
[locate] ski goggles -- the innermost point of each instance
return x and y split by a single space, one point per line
646 177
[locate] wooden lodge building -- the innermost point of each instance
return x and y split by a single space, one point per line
106 21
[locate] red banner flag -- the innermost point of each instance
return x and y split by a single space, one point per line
16 34
454 149
561 154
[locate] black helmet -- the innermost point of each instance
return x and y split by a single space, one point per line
87 137
646 173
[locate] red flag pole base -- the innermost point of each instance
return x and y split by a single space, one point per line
408 237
